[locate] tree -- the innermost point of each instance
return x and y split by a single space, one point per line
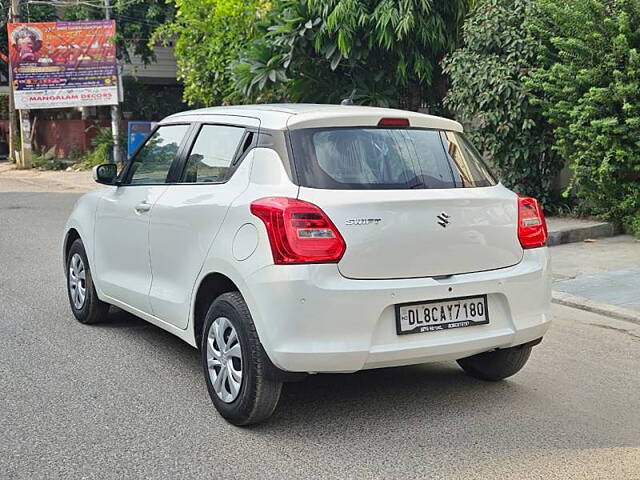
588 86
209 35
491 95
388 51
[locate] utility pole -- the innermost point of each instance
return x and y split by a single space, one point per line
115 109
25 122
13 16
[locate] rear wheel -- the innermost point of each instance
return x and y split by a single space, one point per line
497 364
235 364
85 304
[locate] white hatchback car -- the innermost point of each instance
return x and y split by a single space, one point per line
292 239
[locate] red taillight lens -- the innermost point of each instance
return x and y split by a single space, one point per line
532 229
299 232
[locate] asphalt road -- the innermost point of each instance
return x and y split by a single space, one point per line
127 400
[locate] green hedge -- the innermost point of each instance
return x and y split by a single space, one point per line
588 86
541 82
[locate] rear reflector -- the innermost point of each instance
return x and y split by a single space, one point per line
532 229
393 122
299 232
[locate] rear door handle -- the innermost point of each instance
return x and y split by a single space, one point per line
143 207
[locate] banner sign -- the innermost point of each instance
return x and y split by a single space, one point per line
63 64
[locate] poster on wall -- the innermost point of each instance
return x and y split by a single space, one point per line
63 64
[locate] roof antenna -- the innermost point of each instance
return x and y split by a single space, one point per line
349 100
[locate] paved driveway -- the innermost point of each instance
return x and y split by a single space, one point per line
126 400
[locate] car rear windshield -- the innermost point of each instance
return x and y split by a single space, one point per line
386 158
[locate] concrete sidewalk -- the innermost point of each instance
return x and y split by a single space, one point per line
12 180
602 276
568 230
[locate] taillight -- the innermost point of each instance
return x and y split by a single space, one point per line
299 232
532 229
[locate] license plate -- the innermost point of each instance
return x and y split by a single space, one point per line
441 314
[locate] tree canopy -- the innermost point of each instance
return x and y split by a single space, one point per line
208 36
387 51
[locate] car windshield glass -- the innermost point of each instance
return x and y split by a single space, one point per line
385 158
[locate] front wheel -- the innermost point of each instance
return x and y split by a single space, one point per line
235 364
84 301
497 364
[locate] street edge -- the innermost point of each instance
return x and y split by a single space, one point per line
580 234
587 305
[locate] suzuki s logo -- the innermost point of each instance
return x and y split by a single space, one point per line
443 219
362 221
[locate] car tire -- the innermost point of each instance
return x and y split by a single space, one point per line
83 299
252 396
497 364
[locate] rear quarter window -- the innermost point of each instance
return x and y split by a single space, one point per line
386 158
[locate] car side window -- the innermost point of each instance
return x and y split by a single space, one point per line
212 153
152 163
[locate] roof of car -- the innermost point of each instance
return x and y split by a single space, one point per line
281 116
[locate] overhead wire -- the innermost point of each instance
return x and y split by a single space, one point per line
114 14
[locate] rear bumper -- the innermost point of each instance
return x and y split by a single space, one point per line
312 319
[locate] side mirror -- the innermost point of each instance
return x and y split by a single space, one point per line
105 173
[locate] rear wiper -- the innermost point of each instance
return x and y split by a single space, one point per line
418 185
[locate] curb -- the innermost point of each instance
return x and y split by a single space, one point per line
579 234
585 304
